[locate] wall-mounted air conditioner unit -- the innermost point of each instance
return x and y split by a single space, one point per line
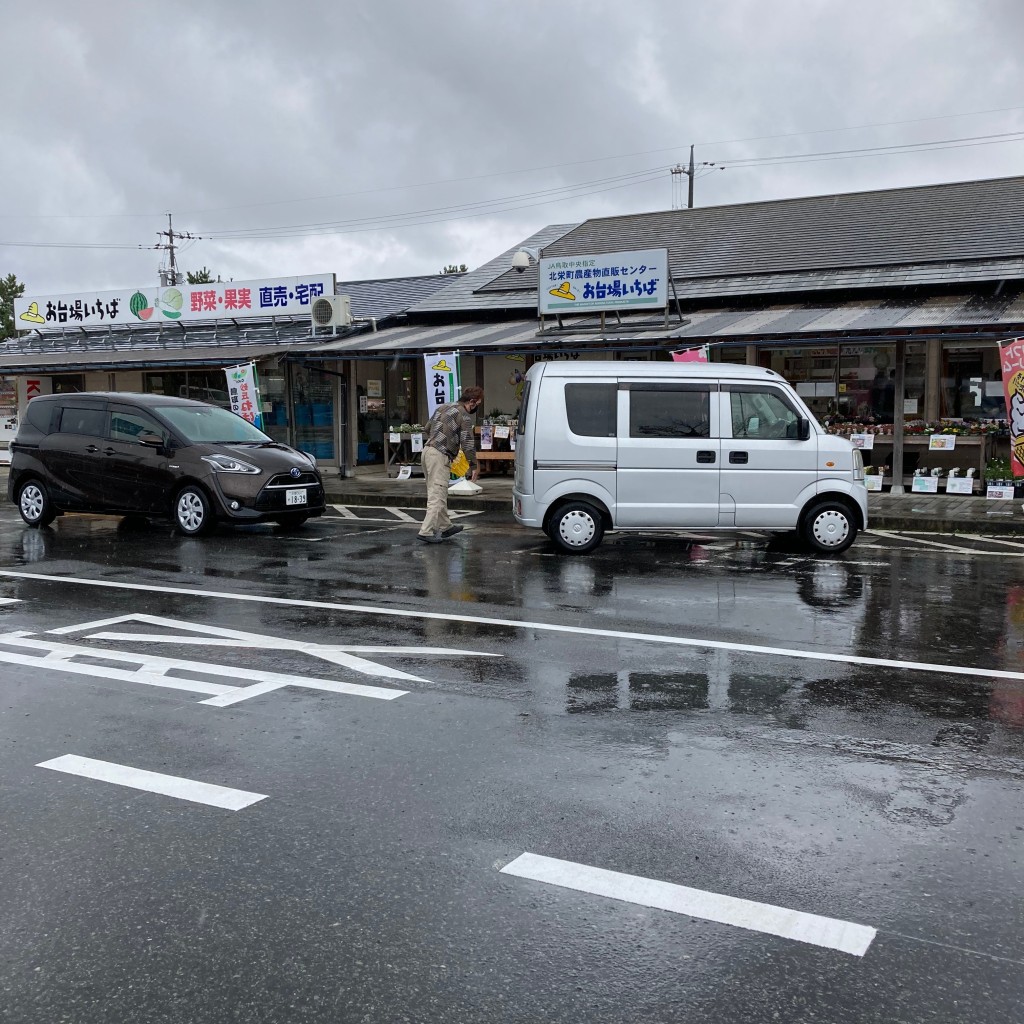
331 311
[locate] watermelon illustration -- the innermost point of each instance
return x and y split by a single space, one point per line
140 306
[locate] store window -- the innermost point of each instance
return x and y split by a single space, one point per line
67 384
972 386
313 410
208 386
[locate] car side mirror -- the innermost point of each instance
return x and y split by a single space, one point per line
803 428
150 440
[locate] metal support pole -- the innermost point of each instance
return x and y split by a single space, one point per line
897 417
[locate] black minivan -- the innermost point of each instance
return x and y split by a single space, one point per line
128 454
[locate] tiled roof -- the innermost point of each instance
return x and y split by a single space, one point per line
929 234
389 296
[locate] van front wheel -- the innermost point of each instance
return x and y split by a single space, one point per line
828 528
576 527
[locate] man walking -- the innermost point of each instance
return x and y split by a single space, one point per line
449 429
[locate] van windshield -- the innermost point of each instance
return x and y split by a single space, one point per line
210 425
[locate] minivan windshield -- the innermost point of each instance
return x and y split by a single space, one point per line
211 425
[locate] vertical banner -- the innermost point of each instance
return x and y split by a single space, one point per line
1011 355
691 355
244 392
442 375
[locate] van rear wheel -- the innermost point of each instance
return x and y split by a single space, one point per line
576 527
828 528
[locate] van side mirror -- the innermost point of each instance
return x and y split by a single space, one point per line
803 428
150 440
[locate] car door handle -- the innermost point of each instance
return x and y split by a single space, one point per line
705 456
91 449
738 458
109 451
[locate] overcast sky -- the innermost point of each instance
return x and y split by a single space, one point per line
392 137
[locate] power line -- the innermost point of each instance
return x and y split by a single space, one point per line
528 170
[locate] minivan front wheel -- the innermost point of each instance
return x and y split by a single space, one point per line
193 515
576 527
34 504
828 528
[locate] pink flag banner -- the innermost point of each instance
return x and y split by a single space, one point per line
691 355
1011 355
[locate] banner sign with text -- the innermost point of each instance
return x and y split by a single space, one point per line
1011 356
442 376
604 281
244 392
182 303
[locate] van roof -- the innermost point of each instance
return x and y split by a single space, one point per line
606 368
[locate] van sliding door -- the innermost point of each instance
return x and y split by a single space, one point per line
669 454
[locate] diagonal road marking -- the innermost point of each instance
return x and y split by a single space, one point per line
153 782
829 932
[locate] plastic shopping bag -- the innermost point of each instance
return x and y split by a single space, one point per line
460 464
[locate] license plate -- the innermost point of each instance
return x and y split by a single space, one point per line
295 496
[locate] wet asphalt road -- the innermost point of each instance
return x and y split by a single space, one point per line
842 738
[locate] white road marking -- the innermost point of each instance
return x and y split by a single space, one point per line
611 634
153 782
399 514
844 936
151 670
945 547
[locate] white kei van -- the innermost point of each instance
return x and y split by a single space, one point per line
674 446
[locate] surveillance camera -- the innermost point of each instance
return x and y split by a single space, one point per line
520 261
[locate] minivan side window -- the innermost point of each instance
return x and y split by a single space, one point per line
760 413
90 420
671 410
126 425
590 409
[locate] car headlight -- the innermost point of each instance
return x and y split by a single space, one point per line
226 464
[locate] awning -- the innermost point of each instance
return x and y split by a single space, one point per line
65 361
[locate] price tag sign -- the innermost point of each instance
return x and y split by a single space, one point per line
865 441
417 442
501 432
994 493
925 485
942 442
959 485
404 472
394 437
873 482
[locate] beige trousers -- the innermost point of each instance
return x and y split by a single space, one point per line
437 470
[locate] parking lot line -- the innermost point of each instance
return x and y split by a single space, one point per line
153 782
551 627
828 932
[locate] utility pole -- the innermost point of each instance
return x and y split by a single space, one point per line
677 172
689 174
170 276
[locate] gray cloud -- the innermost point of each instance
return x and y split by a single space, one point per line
258 116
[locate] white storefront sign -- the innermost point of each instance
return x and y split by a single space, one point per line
442 376
604 281
244 392
182 303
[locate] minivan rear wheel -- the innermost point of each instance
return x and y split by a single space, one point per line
576 527
828 528
34 504
193 514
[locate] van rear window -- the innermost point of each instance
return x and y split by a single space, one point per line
90 420
590 408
